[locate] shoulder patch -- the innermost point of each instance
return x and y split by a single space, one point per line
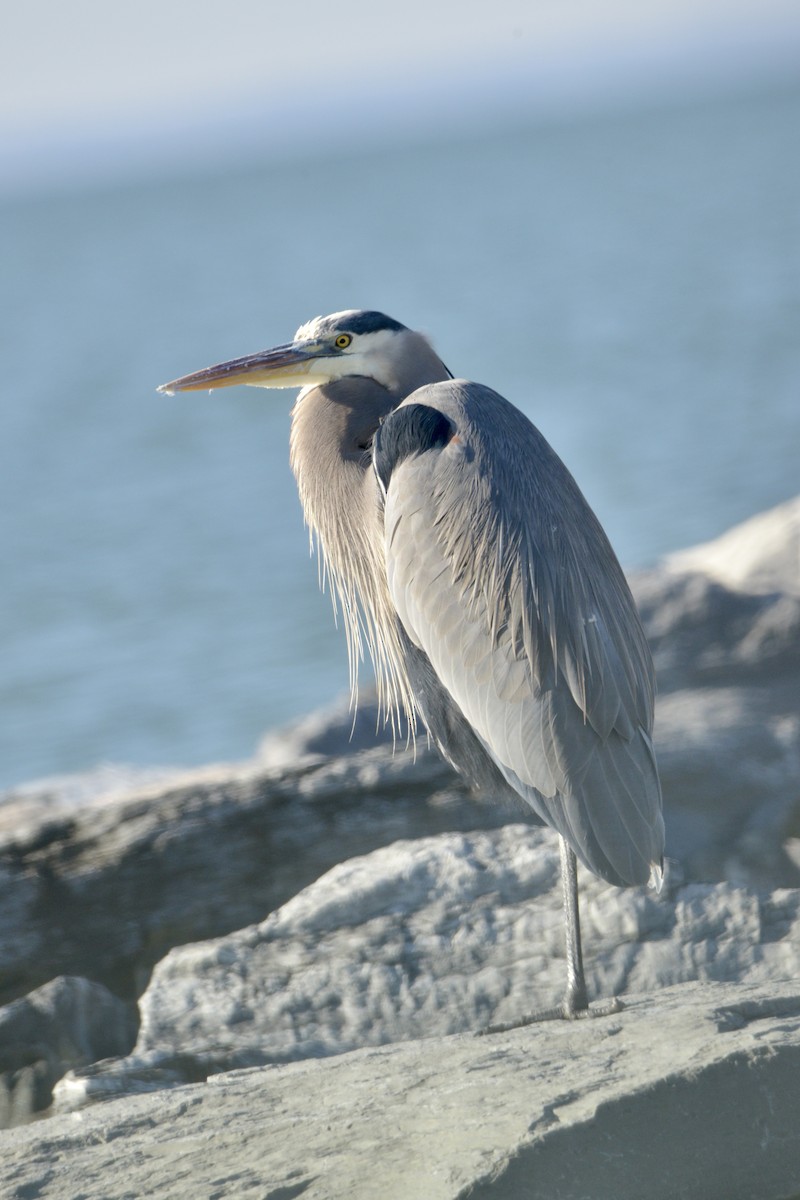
409 430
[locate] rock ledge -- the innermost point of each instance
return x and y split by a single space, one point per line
622 1106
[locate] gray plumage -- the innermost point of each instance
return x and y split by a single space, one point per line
468 564
503 578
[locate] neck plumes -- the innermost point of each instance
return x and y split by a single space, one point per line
331 441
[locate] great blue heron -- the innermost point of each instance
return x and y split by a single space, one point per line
465 557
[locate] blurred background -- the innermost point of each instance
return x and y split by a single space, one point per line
595 209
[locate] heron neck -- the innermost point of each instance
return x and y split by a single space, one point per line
331 444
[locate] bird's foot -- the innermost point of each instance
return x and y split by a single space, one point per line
568 1010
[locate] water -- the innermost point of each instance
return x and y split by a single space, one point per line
631 280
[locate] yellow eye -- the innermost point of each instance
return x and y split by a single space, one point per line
343 341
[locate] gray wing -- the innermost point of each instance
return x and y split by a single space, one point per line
503 578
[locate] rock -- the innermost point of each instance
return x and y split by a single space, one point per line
329 732
691 1092
704 635
727 729
104 891
760 555
730 763
67 1023
29 806
428 938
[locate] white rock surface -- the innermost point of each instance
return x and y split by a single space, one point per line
690 1094
760 555
429 938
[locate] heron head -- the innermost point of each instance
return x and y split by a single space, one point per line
349 343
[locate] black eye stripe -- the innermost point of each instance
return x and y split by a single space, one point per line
370 322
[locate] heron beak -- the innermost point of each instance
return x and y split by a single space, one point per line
284 367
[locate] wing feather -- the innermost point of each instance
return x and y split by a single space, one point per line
502 577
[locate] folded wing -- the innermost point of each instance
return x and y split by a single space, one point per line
502 577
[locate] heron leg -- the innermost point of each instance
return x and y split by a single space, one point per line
576 998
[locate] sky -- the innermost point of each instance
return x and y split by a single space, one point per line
94 81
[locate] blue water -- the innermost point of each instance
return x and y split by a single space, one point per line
632 280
